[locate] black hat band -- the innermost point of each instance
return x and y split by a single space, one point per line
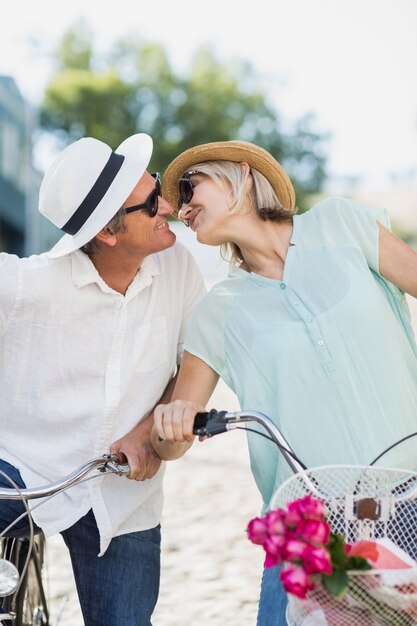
95 195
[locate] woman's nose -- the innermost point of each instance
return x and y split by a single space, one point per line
184 212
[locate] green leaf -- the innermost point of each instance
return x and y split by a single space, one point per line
336 548
358 563
336 583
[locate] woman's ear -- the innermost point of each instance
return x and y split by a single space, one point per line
248 178
107 237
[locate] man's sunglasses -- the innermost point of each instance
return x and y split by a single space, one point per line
186 188
151 204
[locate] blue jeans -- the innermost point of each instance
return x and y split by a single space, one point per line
119 588
11 509
273 600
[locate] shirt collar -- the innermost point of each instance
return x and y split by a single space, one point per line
84 272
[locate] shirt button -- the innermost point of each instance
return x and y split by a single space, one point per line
295 303
283 285
309 318
320 342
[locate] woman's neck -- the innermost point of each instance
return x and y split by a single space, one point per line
264 248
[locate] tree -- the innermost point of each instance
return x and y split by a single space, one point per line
134 88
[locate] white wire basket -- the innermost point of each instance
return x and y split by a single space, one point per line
362 503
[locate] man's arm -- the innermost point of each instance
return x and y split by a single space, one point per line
136 446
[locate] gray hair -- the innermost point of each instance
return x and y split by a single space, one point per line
116 225
262 197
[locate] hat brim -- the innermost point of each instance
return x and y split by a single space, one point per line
237 151
137 151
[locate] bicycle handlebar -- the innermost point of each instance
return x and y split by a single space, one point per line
210 423
105 464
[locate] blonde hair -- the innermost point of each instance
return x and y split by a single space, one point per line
262 197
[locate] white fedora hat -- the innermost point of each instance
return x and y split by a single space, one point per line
87 184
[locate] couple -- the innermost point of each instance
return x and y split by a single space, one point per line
310 327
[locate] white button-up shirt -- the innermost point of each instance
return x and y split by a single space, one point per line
81 365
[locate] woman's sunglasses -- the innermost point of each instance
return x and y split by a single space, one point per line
151 204
186 188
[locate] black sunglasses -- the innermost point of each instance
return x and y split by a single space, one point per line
151 204
186 188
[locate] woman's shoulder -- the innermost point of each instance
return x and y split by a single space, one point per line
332 206
340 214
340 207
229 286
221 294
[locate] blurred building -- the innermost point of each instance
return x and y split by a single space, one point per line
23 230
13 167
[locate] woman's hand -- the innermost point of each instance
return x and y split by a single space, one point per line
174 421
172 433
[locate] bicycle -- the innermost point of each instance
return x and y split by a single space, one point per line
362 503
22 559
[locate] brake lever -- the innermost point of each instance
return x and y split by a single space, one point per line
113 463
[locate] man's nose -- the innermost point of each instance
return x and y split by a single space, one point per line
164 207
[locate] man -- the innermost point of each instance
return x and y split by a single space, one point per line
91 335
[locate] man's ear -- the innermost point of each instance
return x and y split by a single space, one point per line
107 237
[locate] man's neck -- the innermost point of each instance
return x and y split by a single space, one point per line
117 272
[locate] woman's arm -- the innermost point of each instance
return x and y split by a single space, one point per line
173 422
397 261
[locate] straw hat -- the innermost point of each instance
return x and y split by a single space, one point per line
87 184
238 151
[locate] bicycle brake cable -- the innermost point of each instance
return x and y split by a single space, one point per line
280 446
391 447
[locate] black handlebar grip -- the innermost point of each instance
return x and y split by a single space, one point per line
211 423
200 422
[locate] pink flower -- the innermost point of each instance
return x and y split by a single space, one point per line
275 521
271 560
300 537
293 516
274 545
257 530
308 508
296 581
293 549
313 531
317 560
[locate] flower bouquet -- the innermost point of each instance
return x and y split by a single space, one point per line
331 582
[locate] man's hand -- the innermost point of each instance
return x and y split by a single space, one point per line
136 446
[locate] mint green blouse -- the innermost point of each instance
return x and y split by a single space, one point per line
328 352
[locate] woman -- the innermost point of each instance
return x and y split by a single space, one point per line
311 327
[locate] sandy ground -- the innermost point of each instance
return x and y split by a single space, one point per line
210 571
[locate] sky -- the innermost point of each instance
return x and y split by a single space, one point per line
353 64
